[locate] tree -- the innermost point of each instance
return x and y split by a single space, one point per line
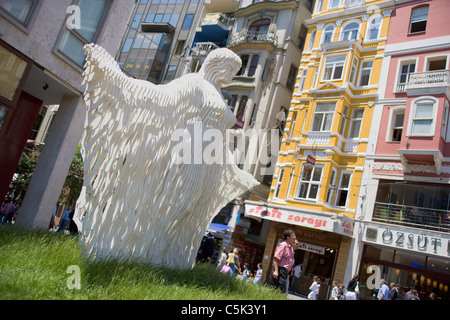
74 180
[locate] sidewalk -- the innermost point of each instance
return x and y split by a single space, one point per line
291 296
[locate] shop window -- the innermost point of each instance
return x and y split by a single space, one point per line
419 17
310 179
323 116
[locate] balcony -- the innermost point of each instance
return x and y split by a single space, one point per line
429 82
270 38
342 39
353 3
202 49
411 216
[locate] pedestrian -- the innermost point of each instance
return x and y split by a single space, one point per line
233 261
246 272
393 293
258 275
73 228
413 295
64 221
314 289
222 259
432 296
334 291
352 288
207 249
341 294
383 292
283 260
297 274
7 211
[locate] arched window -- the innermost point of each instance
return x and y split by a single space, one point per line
328 34
258 29
350 31
373 27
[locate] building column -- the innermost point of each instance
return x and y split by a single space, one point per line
269 250
53 165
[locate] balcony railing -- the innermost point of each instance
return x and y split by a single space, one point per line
215 18
353 3
411 216
337 38
251 37
440 78
203 49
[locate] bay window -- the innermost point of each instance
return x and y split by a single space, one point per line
310 180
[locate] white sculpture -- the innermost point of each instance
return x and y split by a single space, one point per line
137 200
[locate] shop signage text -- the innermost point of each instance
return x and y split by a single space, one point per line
311 248
341 225
419 241
411 240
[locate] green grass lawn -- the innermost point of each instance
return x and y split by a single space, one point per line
36 265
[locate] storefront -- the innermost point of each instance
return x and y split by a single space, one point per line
412 258
324 243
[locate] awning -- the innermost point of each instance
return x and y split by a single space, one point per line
214 227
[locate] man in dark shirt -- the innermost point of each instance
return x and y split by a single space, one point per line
207 250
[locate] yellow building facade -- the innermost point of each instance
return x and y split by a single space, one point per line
318 186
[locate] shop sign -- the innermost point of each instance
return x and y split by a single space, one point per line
311 248
342 225
419 241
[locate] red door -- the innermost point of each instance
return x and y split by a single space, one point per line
13 137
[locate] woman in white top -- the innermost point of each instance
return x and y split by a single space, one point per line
315 286
222 259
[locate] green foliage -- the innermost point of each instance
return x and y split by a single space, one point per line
74 180
33 265
25 170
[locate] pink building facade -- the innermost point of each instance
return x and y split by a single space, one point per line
405 197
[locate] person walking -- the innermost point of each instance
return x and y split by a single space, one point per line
258 275
233 261
7 211
334 291
297 274
283 260
314 288
393 293
64 221
207 249
352 288
246 272
222 259
383 293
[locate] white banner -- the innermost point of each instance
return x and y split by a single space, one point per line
342 225
311 248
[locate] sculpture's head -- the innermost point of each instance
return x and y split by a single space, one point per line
220 66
